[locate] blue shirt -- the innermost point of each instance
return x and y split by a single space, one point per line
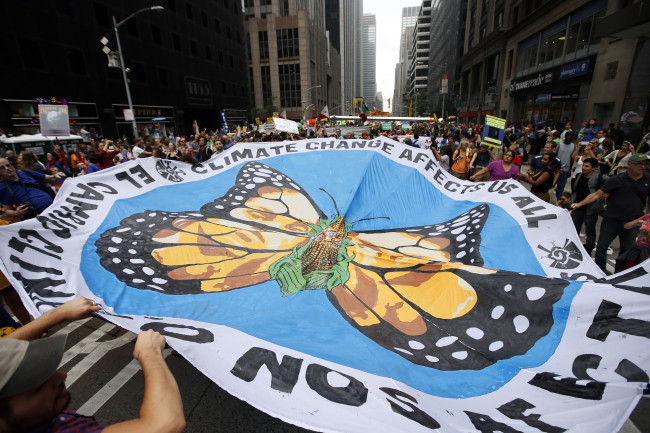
93 168
23 192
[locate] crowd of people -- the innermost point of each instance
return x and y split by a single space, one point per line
606 176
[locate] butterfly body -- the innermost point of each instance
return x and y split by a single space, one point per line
319 265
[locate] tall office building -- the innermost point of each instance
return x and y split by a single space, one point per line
419 62
448 23
293 65
369 80
343 18
185 64
409 17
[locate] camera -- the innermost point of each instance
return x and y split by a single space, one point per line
31 209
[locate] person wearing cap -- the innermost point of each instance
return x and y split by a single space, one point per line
627 195
33 396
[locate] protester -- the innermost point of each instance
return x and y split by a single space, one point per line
542 182
22 193
33 396
616 161
627 195
94 166
585 183
565 150
501 169
460 159
27 161
641 249
481 160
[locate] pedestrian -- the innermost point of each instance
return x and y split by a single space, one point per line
500 170
641 249
565 151
587 182
33 396
627 195
460 160
542 182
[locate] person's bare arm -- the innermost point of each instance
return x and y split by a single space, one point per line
597 195
76 309
53 178
480 173
535 182
162 408
18 212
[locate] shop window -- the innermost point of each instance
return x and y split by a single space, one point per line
176 39
264 45
76 61
289 76
572 38
30 52
583 34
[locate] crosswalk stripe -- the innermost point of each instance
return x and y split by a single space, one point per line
94 356
86 345
100 398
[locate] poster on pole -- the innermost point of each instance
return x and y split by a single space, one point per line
494 131
54 120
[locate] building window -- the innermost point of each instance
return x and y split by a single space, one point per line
217 26
264 45
171 5
266 85
31 54
163 77
176 39
188 11
284 8
249 8
76 61
509 65
220 58
139 72
248 45
289 85
288 42
194 49
238 38
208 53
228 32
223 87
233 88
204 19
610 70
265 8
232 61
156 35
527 53
101 15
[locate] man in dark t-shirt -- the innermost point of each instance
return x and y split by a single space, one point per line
627 195
587 182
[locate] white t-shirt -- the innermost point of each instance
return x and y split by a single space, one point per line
137 151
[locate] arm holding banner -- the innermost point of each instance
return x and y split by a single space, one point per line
596 195
480 173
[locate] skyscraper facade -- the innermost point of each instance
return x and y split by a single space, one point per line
369 79
293 65
409 17
343 19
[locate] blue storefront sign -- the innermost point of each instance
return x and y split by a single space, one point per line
544 97
573 70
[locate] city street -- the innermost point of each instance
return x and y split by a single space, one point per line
107 383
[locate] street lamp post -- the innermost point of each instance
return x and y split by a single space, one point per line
116 26
304 101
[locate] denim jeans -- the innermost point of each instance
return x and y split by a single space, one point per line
609 229
561 183
580 216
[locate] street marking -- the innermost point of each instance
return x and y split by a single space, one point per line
95 355
86 345
100 398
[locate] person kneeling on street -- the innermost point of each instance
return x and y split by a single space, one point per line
33 396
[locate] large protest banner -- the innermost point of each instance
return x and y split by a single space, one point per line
350 285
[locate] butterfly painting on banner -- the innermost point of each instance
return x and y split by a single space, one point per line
369 285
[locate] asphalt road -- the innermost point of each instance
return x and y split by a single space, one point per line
107 383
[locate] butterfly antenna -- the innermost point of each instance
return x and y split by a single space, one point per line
368 219
334 201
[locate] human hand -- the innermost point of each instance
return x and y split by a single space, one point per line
21 210
76 309
148 343
575 206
